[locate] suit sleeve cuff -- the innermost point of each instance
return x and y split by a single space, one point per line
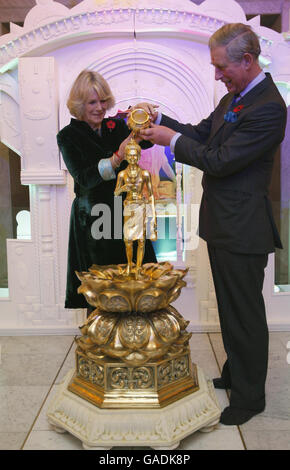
173 142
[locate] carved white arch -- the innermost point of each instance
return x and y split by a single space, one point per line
187 79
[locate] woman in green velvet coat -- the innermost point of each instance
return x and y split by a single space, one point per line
92 147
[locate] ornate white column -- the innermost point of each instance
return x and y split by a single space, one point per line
39 121
37 285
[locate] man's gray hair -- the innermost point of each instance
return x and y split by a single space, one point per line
238 39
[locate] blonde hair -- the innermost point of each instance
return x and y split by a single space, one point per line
238 39
87 81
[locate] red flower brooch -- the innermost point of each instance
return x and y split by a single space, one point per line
238 108
111 125
232 116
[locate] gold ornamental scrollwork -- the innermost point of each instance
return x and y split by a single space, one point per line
173 370
119 378
180 367
130 378
143 377
91 371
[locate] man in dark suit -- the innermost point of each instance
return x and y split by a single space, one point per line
235 148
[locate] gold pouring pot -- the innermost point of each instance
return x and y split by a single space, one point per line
138 119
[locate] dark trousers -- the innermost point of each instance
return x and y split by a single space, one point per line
238 280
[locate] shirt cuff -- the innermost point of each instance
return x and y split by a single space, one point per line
158 119
173 141
106 170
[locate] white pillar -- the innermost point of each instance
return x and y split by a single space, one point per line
37 266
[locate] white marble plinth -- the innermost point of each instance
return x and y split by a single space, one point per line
160 429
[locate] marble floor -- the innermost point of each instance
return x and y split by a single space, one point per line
32 367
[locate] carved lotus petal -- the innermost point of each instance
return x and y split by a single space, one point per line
112 301
135 338
110 290
134 332
100 330
167 326
151 300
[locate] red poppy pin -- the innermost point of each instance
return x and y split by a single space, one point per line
232 116
111 125
239 108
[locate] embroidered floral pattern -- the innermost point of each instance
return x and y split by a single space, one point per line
232 116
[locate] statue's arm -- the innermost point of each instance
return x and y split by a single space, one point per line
121 186
147 178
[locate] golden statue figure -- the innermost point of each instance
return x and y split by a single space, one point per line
137 210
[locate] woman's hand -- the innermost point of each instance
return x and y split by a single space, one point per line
121 151
120 155
149 108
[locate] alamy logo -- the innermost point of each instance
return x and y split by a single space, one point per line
188 230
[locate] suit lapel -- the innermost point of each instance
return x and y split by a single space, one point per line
250 97
246 101
219 121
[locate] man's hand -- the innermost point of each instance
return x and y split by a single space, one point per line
159 135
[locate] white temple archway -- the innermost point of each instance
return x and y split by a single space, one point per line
153 50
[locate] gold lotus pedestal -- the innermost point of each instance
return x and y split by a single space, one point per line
134 349
134 383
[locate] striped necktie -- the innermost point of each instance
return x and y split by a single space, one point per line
231 115
235 99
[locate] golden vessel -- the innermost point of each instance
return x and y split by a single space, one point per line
133 352
138 119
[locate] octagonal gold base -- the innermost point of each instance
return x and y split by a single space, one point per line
109 383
